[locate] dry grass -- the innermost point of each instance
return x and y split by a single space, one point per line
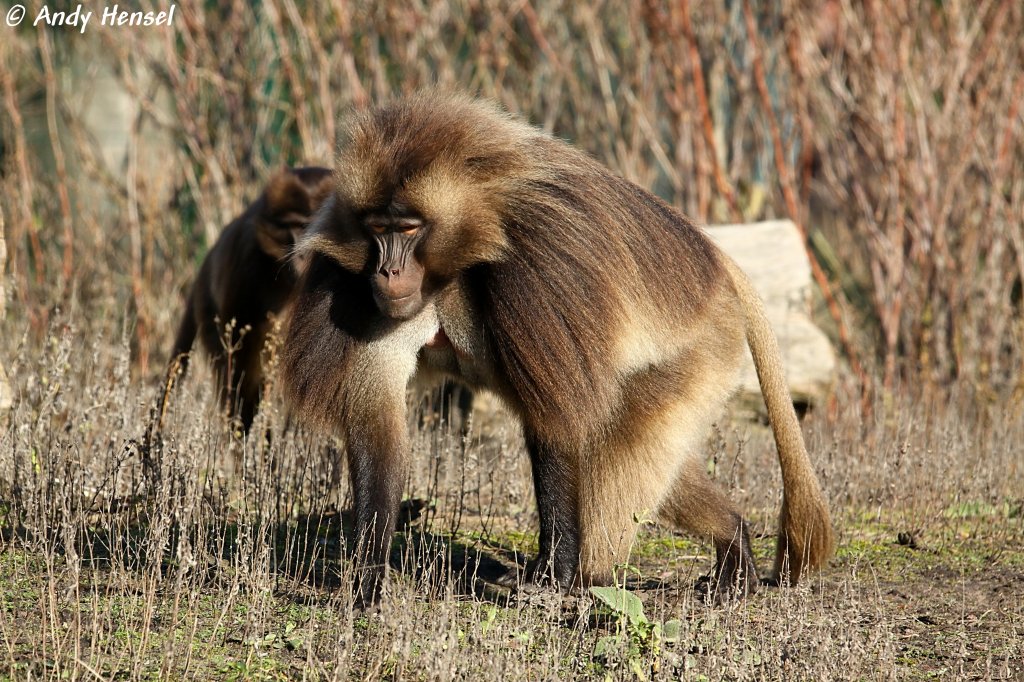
186 554
890 131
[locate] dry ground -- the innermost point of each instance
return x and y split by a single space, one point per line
136 552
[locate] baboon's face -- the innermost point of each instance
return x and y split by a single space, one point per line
397 279
291 198
277 238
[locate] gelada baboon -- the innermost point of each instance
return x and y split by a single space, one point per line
463 241
246 276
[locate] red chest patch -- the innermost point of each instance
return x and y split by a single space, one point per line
439 341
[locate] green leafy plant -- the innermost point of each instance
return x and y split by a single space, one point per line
635 636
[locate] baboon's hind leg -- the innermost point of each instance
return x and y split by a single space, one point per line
698 504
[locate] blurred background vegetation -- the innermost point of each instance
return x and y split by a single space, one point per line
138 544
890 132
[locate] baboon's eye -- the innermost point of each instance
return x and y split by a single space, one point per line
410 231
379 229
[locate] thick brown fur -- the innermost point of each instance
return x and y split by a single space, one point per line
245 278
606 320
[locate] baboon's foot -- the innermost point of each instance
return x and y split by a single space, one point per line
368 588
538 576
735 574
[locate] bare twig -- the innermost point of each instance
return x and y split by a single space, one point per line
67 270
27 223
697 69
785 182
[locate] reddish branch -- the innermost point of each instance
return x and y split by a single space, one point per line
25 203
806 130
533 23
1003 158
789 196
68 266
724 188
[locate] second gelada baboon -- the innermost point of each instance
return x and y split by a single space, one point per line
244 278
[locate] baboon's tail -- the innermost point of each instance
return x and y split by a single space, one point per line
805 529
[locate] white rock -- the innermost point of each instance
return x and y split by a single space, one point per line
773 256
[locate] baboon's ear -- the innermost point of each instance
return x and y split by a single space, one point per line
319 182
286 194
